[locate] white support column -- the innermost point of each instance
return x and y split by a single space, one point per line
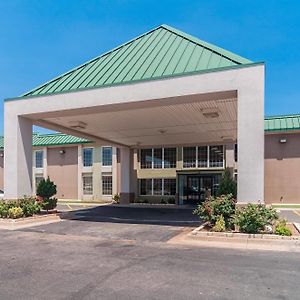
18 156
251 141
79 186
45 162
114 171
125 193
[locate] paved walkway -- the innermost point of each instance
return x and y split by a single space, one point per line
290 215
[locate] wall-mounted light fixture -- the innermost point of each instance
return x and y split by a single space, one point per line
1 154
282 140
62 152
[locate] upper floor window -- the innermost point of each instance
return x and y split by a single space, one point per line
203 157
107 156
146 158
216 156
39 158
87 157
189 157
158 158
169 158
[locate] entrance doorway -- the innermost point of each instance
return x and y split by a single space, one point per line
195 188
198 188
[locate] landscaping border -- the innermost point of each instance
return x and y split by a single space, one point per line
36 220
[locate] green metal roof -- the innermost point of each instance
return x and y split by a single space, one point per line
54 139
282 123
161 52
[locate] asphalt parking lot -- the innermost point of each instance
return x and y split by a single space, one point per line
100 254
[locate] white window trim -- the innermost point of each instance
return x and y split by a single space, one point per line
152 186
162 157
208 159
39 168
93 153
102 156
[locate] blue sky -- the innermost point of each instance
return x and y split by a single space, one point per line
41 39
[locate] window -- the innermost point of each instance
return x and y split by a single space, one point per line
39 157
202 157
157 186
189 157
38 179
157 158
169 158
87 157
216 156
106 185
106 156
87 181
146 158
169 186
146 187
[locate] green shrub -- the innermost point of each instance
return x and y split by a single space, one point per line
46 189
214 207
282 229
253 218
220 225
227 184
15 212
116 198
48 204
163 201
171 200
3 209
28 205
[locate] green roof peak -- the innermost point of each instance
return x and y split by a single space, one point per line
159 53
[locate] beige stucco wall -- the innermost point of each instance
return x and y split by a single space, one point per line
1 171
282 168
63 170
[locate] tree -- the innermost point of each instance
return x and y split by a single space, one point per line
227 184
46 190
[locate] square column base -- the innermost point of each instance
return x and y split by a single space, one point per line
126 198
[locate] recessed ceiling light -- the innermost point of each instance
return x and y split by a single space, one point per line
77 125
210 112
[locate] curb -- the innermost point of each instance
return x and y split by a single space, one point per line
15 224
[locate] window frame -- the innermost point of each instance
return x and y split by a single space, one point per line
111 183
35 159
208 157
102 156
92 161
83 183
162 158
152 186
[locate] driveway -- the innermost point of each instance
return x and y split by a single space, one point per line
123 223
100 254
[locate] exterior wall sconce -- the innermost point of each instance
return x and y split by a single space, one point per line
1 154
283 141
62 152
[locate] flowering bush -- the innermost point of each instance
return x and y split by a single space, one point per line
253 218
28 205
214 207
15 212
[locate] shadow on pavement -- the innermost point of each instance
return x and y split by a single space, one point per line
136 215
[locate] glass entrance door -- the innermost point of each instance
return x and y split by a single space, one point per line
198 188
